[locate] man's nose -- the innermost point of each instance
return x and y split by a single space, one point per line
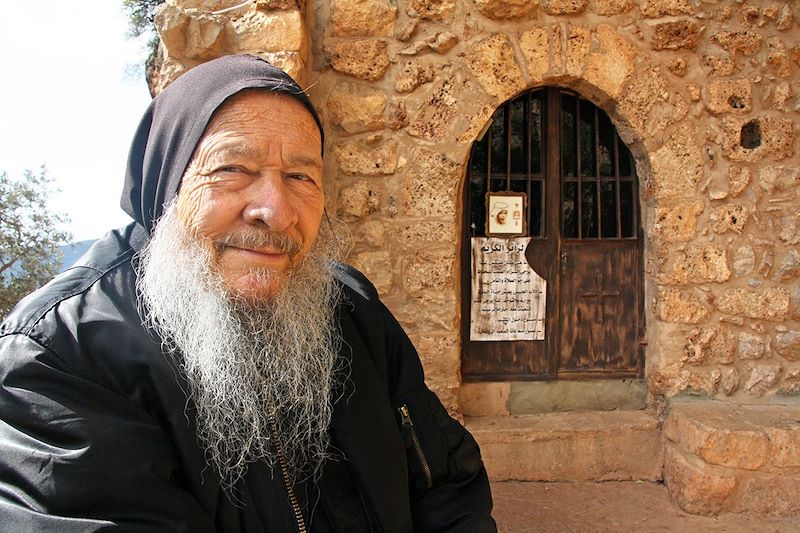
270 204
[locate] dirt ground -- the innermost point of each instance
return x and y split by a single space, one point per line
613 506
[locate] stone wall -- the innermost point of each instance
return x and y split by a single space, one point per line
704 92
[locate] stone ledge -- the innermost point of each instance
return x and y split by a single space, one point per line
587 446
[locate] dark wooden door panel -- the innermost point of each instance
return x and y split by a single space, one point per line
598 302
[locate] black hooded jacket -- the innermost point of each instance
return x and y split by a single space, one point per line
97 431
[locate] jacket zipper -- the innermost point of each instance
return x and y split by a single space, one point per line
405 416
298 513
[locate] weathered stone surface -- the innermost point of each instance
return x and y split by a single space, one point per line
274 5
436 112
660 8
744 260
428 269
484 399
744 41
678 66
377 266
768 494
424 311
356 158
506 9
719 66
191 34
696 488
729 96
729 217
597 446
753 139
274 31
439 354
762 378
677 166
362 18
784 440
678 223
700 380
613 7
686 308
359 199
365 59
789 267
719 435
203 5
356 108
611 62
751 346
676 35
492 62
579 41
397 115
709 346
730 380
646 103
791 383
787 343
430 9
770 303
779 178
430 184
533 45
738 179
777 59
414 233
476 123
371 233
700 263
562 7
411 75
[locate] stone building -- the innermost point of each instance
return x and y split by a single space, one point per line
655 141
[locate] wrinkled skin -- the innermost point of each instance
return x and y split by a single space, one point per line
257 171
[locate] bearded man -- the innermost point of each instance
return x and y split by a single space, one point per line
211 366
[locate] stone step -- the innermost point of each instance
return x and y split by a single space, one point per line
722 457
578 446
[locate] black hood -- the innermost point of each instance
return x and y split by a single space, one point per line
175 121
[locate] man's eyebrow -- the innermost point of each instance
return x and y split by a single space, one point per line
248 150
305 161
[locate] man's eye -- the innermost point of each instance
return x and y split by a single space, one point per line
299 177
230 169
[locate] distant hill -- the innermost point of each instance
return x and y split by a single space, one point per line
73 251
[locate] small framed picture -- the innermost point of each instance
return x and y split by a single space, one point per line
506 214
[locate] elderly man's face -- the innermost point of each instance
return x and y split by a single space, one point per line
256 173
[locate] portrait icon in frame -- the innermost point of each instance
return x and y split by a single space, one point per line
506 214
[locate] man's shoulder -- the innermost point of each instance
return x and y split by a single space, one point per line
107 262
355 281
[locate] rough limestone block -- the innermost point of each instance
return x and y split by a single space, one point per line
767 494
739 178
377 266
613 62
744 260
434 116
430 9
562 7
699 263
587 446
424 310
784 439
485 399
440 354
762 378
709 346
769 303
372 233
660 8
790 386
275 31
428 269
356 108
729 217
411 75
677 166
719 435
676 35
777 59
789 267
365 59
787 344
359 199
729 380
191 34
678 223
362 18
752 139
579 41
427 231
492 62
430 184
779 178
507 9
729 96
534 48
751 346
357 158
675 306
744 41
694 486
608 8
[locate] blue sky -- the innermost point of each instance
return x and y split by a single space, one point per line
72 93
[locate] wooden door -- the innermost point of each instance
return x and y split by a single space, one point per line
584 238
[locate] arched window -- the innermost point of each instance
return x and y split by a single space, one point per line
582 218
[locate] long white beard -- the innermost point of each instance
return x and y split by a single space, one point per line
248 364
